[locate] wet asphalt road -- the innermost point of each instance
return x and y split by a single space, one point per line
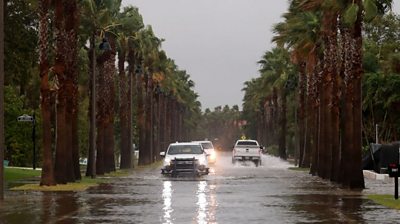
239 193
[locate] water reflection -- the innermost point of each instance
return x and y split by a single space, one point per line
207 204
167 196
202 202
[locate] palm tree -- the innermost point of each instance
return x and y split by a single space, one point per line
276 72
149 51
97 20
131 22
47 168
299 32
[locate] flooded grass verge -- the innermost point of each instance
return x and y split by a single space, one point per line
299 169
13 174
81 185
385 200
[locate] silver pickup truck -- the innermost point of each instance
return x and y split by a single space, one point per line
247 150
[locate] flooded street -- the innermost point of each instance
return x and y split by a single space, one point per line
240 193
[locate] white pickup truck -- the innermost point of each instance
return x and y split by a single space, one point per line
247 150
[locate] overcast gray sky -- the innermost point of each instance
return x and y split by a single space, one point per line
218 42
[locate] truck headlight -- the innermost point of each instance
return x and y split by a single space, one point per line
167 161
202 161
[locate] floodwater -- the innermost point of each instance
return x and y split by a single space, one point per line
240 193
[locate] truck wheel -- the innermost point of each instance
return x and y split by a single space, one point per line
233 161
257 162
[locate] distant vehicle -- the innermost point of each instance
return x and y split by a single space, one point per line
247 150
209 149
185 157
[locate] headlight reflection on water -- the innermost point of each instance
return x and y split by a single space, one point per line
202 202
206 203
167 196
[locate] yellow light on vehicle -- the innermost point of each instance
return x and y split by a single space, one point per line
213 156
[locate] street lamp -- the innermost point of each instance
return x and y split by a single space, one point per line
27 118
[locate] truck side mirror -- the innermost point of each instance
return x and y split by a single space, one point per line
162 154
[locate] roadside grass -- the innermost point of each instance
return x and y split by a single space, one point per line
299 169
385 200
13 174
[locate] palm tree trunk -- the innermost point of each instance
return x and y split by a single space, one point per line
109 143
47 177
315 88
1 100
335 110
91 165
149 120
357 178
141 120
275 116
283 127
103 108
124 105
301 116
63 171
329 114
71 27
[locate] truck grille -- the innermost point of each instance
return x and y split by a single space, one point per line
184 164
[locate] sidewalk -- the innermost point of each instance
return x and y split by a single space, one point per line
376 183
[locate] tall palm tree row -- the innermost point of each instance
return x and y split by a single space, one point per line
163 91
321 35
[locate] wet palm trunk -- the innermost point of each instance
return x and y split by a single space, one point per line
335 104
47 177
71 27
162 129
149 120
329 132
357 179
141 120
283 126
124 112
63 163
172 117
167 122
315 119
275 116
301 117
91 165
101 114
109 143
157 120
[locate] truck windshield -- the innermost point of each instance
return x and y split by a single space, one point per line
207 145
185 149
246 143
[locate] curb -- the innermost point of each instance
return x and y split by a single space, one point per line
368 174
